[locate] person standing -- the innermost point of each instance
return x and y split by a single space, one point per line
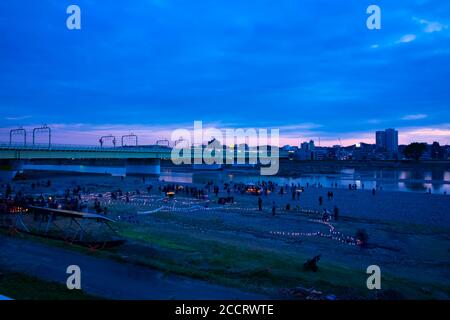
259 204
336 213
274 209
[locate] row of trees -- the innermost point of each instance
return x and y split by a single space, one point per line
415 150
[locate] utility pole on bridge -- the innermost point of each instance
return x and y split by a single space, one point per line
44 128
19 131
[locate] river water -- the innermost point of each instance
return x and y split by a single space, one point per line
407 180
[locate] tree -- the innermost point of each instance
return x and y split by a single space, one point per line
415 150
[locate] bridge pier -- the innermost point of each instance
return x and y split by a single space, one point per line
9 169
205 166
143 167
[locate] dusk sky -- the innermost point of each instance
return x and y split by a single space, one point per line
308 67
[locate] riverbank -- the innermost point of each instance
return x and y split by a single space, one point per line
235 245
22 286
297 167
102 278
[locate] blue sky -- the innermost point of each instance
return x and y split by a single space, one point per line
308 67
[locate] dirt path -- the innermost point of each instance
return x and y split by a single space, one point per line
106 278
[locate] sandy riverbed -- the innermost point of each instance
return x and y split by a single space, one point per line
408 232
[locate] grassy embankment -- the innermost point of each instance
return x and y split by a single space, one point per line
242 265
19 286
250 267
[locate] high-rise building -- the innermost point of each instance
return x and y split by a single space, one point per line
308 146
306 151
391 140
380 138
387 140
436 151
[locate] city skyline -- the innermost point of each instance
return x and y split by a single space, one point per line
311 69
217 158
18 138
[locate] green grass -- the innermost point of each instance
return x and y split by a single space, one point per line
237 264
19 286
251 268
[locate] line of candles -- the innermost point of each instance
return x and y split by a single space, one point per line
153 202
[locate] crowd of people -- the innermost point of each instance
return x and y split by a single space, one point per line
71 199
221 193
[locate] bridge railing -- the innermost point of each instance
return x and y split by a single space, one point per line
74 147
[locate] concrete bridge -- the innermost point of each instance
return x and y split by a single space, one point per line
144 160
136 160
29 152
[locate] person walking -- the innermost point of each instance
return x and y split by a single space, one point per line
259 204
